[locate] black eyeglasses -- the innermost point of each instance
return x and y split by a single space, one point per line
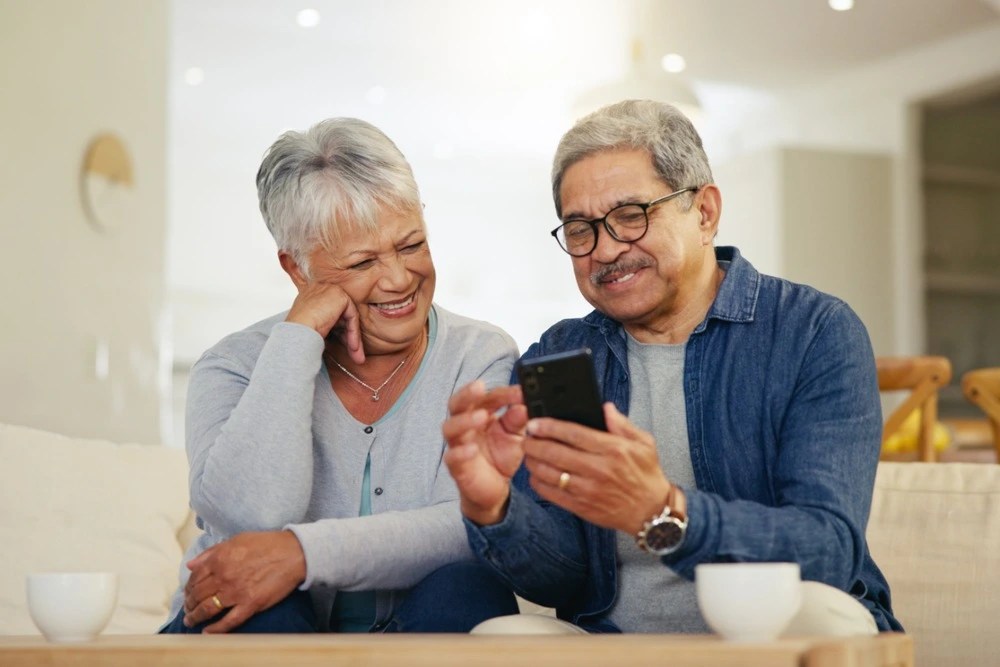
626 223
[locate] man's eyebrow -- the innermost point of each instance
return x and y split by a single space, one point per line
573 215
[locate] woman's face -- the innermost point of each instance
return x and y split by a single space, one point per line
388 274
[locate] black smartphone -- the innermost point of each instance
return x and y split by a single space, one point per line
562 386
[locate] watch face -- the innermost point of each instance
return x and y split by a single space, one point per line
664 535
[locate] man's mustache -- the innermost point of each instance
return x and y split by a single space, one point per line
622 267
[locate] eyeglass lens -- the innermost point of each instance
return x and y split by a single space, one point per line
625 223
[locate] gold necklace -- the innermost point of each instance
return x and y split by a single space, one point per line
373 390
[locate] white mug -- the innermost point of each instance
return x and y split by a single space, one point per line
748 602
71 606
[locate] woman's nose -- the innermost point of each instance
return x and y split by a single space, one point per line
396 274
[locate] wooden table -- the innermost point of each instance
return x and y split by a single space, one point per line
330 650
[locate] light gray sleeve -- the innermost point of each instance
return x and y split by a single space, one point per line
392 550
249 432
395 550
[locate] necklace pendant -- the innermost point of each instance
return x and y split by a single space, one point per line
375 396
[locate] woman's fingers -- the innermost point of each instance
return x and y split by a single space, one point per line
204 610
349 331
233 618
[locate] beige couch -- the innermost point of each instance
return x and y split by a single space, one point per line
69 503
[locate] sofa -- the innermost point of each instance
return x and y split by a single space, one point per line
78 504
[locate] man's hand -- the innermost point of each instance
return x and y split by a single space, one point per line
614 478
244 575
326 308
484 449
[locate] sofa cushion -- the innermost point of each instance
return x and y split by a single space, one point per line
935 533
72 504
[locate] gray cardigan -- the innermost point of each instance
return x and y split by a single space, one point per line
271 446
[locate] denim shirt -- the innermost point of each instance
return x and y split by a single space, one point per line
784 422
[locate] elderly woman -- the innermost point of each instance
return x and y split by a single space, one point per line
314 436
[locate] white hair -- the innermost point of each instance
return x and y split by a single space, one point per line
657 127
336 175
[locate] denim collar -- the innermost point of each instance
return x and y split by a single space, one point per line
736 300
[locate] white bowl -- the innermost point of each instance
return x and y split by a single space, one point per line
748 602
72 606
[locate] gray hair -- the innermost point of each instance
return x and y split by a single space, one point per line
657 127
335 176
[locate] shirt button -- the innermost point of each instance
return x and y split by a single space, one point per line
378 490
368 429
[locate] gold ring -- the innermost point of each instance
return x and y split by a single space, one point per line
217 601
563 481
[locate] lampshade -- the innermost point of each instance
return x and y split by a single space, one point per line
640 81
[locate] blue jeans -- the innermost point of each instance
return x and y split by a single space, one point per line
454 598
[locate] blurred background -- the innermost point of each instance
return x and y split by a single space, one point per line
857 147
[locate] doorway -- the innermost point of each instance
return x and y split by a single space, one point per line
960 145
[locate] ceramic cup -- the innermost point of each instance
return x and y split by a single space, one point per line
71 606
748 602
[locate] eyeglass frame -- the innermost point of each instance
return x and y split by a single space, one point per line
604 221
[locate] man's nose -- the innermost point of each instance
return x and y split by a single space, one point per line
608 248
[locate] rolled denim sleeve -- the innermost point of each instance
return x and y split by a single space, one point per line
537 549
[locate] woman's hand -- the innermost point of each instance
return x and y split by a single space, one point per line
484 449
243 575
326 308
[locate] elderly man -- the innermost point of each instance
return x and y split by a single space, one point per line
753 417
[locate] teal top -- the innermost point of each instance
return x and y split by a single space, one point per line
354 611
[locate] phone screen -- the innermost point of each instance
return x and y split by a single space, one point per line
562 386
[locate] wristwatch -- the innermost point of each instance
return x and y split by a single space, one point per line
664 533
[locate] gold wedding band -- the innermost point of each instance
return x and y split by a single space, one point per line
563 481
217 601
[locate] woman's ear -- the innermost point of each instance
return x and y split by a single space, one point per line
293 269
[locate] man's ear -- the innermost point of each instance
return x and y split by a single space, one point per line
710 209
292 268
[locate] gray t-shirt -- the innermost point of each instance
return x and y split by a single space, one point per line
271 446
651 598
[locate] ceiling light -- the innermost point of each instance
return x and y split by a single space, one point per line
673 63
841 5
308 18
194 76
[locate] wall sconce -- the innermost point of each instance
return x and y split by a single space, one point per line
106 179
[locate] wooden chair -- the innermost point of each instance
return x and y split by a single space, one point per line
982 387
923 377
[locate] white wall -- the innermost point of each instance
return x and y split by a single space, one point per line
835 206
751 208
70 70
817 217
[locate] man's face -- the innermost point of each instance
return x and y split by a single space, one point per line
648 283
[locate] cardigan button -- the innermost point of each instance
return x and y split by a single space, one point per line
368 429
